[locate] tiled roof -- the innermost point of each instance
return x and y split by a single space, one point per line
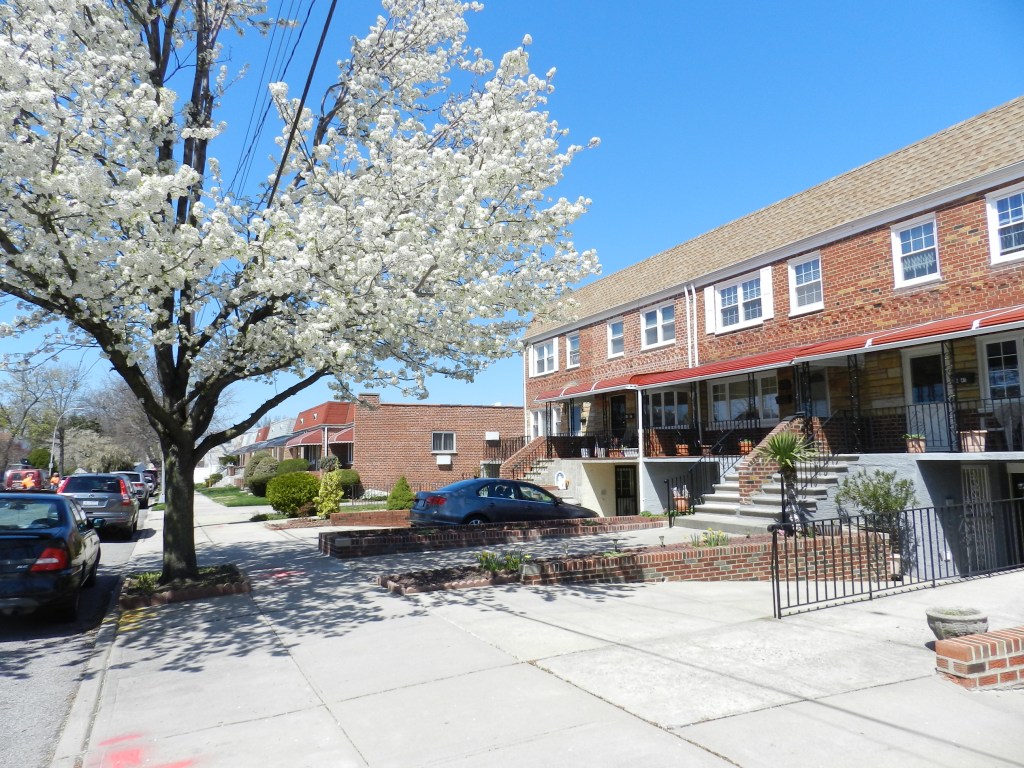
968 150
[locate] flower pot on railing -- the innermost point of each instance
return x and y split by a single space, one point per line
915 443
973 440
680 505
746 446
682 449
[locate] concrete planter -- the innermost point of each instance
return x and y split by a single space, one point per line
956 621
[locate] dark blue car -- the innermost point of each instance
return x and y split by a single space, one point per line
49 551
491 500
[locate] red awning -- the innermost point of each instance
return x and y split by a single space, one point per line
749 364
313 437
340 436
587 388
936 330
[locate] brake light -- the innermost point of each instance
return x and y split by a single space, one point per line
63 485
436 501
52 559
126 497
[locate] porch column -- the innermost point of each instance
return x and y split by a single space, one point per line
952 399
804 403
751 397
640 474
853 373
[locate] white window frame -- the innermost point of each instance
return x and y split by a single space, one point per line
538 423
766 384
992 213
621 337
654 319
795 308
550 358
898 255
985 370
434 441
713 302
569 350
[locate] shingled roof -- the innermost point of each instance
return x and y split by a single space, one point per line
968 150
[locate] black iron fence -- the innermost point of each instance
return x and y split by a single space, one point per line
836 560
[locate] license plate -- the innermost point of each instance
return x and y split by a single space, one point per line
92 503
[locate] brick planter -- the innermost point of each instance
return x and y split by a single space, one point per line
988 660
394 541
392 518
129 602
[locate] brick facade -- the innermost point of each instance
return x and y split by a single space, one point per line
391 440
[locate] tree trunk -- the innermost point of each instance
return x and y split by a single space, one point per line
179 514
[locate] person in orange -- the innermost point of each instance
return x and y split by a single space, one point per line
28 482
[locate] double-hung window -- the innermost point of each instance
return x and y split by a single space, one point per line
659 326
740 303
616 338
572 350
442 442
733 400
914 252
1003 369
545 358
805 292
1006 224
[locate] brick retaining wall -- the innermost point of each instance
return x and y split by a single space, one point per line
391 518
985 660
391 541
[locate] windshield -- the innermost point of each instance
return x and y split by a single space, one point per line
17 514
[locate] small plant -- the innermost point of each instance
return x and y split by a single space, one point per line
401 496
878 494
329 498
710 538
146 583
589 521
494 562
909 436
289 493
259 517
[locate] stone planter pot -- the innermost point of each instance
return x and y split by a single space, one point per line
956 621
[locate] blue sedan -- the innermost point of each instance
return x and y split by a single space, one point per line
491 500
49 550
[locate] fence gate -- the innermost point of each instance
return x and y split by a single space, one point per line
838 560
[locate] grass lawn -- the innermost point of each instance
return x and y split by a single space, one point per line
233 497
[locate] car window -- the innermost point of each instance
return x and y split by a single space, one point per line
497 491
78 515
530 493
29 515
92 484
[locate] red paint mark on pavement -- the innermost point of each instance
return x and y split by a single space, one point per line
133 757
120 739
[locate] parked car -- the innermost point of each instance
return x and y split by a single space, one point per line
138 486
491 500
106 497
153 479
49 551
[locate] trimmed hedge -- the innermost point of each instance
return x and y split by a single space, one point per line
289 492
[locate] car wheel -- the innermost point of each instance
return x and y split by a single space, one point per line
129 532
476 520
66 610
90 580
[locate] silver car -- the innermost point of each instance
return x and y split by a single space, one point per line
105 497
137 484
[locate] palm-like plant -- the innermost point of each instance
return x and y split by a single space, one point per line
787 450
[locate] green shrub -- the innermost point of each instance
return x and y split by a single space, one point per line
349 480
878 495
329 498
213 479
330 463
401 496
39 458
290 492
263 468
292 465
254 461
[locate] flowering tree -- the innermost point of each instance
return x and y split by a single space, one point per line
409 234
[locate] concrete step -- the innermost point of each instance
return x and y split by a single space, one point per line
738 524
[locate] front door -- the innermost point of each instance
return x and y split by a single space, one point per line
617 403
625 490
926 397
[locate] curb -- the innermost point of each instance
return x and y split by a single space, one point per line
77 728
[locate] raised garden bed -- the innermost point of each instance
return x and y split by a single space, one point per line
215 581
393 541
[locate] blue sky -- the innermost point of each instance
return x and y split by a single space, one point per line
709 111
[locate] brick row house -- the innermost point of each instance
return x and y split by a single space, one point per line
430 445
883 303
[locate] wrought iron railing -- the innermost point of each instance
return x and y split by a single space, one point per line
841 559
497 452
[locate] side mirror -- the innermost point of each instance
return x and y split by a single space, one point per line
96 522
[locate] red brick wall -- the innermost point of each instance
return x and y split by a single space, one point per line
859 292
394 439
987 660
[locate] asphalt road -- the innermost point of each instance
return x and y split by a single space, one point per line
41 664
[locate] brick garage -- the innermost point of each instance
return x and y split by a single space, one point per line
391 440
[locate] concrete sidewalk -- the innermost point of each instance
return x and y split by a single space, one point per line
318 667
